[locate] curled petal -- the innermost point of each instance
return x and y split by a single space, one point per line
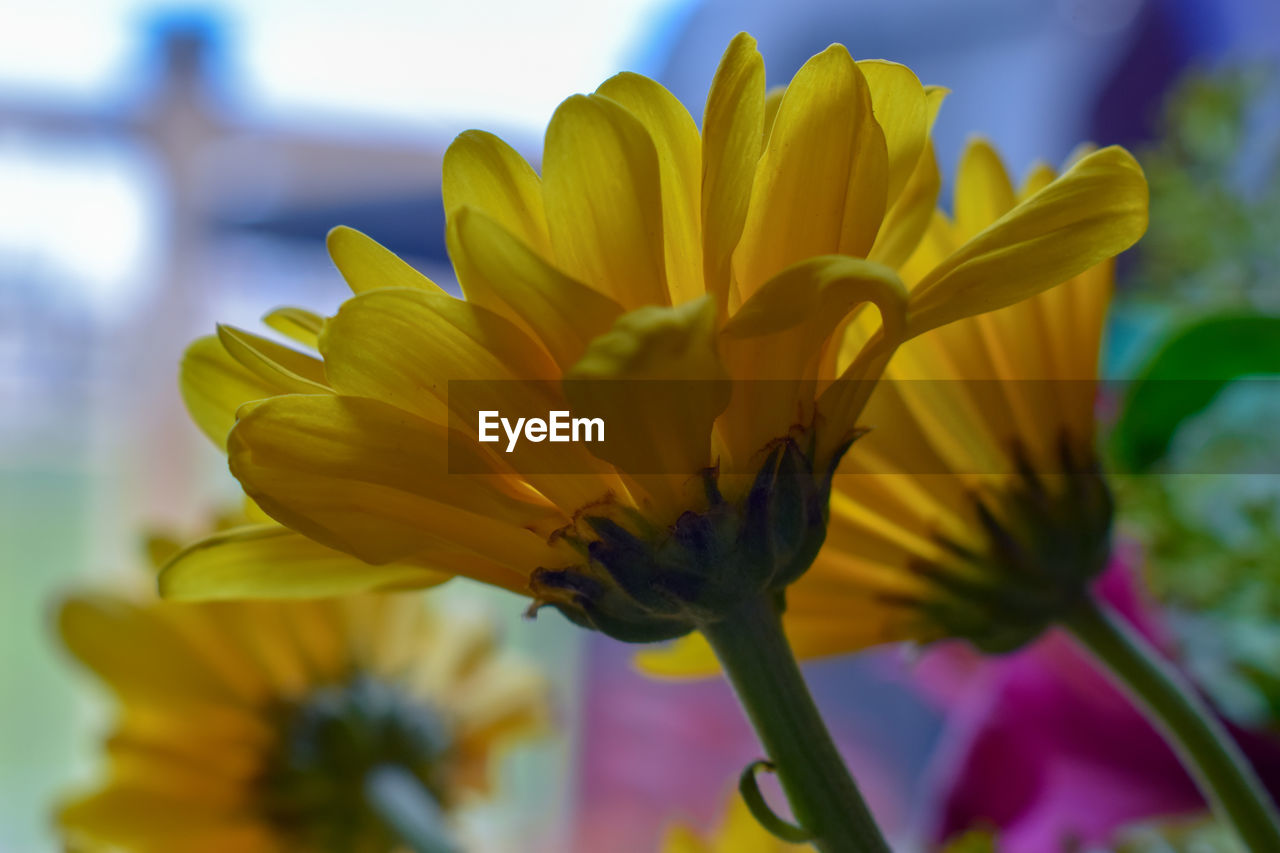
1096 209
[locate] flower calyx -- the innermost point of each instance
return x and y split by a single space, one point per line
644 584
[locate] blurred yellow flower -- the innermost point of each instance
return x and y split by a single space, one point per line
731 260
738 832
251 726
981 447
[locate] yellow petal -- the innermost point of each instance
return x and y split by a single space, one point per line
1039 177
270 561
298 324
689 656
740 832
367 265
446 360
145 659
1094 211
850 620
603 198
827 619
820 185
983 190
214 385
934 96
908 220
373 481
404 347
777 339
681 839
500 273
935 246
902 111
151 749
657 380
772 100
252 513
484 173
289 370
818 293
732 126
675 139
148 821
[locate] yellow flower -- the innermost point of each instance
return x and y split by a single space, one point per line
692 287
251 555
973 507
250 726
738 832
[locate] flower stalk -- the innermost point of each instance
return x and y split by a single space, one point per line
1208 752
752 648
407 809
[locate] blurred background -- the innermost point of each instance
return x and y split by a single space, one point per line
165 165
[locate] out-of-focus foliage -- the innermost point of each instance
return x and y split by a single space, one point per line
1215 196
1213 538
1197 835
1209 515
1186 376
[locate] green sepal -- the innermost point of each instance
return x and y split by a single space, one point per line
641 585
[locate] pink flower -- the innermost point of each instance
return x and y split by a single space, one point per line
1041 745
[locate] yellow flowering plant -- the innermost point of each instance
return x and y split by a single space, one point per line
977 507
291 726
704 290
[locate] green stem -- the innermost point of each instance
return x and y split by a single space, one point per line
755 654
1190 726
407 809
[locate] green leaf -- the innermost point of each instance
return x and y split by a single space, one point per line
1185 376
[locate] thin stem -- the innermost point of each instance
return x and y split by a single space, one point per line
1206 749
755 654
407 809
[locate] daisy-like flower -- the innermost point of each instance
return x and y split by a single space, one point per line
261 727
980 452
737 832
688 286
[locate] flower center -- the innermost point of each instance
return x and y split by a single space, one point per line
314 785
1047 536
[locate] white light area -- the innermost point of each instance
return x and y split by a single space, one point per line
74 219
66 45
414 61
436 61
